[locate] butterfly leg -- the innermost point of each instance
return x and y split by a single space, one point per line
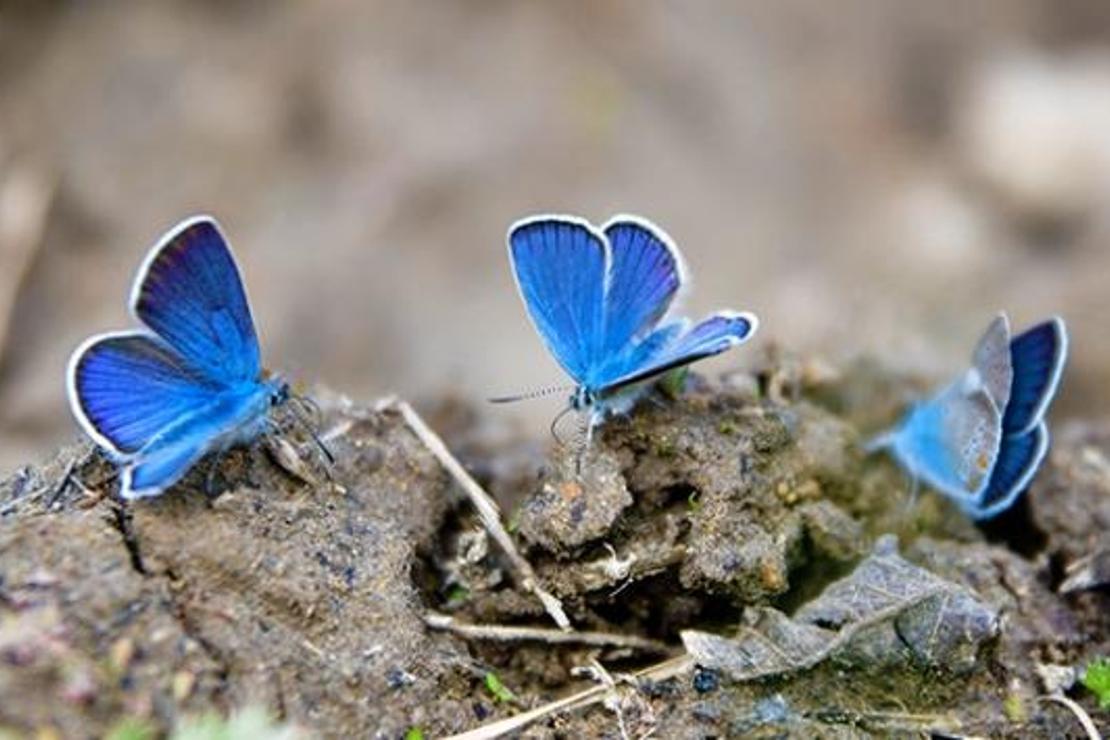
93 493
915 489
283 447
303 411
584 437
213 468
592 419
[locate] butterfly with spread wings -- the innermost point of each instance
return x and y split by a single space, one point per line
159 398
599 298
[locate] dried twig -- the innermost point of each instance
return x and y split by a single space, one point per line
63 484
1085 720
1088 572
900 722
658 672
596 672
507 633
52 493
487 510
25 198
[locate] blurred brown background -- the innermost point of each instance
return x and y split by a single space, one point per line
870 177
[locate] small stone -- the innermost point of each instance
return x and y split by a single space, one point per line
706 680
398 678
121 653
183 684
1057 679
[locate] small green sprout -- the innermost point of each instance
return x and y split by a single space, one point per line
1096 678
131 728
673 383
514 521
457 595
414 733
692 501
500 692
1014 709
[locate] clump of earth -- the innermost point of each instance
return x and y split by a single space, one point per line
729 559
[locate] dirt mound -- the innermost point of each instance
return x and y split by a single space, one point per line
735 533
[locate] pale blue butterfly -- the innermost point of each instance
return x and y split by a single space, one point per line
157 399
981 439
599 298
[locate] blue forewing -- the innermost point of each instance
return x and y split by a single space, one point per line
157 399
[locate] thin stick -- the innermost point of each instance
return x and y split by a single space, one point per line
506 633
25 199
658 672
487 510
55 491
1080 714
62 485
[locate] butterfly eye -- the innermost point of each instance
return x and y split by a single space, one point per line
280 395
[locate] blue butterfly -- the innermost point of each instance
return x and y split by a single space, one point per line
981 439
598 298
157 399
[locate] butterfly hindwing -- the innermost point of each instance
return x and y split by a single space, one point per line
231 416
560 263
189 292
709 337
1018 460
127 387
1038 356
161 469
951 441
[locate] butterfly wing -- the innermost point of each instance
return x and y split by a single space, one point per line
190 294
164 466
991 365
124 388
644 277
951 441
560 264
1038 356
153 412
230 416
711 336
1018 461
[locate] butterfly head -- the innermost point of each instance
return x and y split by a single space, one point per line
582 398
279 388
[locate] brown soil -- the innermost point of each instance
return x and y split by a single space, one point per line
740 502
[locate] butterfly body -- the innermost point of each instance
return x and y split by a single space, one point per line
980 440
159 398
599 298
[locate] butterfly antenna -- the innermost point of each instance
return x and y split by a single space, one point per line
540 393
310 404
